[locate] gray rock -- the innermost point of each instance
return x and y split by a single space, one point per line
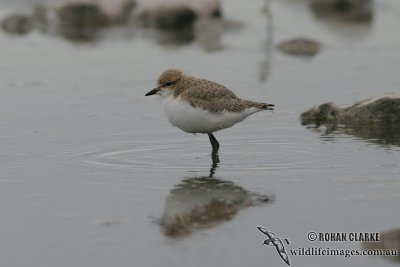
177 22
171 23
389 240
375 118
300 47
168 17
207 9
18 24
385 109
81 20
354 10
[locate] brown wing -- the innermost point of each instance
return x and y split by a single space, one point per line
212 96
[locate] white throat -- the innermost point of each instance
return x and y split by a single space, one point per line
165 93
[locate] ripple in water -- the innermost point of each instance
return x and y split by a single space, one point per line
247 156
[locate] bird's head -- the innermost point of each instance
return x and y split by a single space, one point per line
167 83
268 242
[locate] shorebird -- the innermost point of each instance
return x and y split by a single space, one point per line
197 105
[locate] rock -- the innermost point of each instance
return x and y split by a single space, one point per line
177 20
385 109
374 118
354 10
204 202
300 47
168 17
74 19
81 19
175 15
207 9
326 113
175 23
349 19
389 240
18 24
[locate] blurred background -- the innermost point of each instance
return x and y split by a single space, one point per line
92 174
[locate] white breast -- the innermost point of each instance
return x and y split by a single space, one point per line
197 120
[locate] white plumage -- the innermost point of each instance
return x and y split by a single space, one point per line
197 120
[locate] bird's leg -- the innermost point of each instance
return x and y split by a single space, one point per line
215 147
214 142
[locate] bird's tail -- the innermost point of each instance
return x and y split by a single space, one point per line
266 106
263 106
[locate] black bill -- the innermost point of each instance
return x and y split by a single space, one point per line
152 92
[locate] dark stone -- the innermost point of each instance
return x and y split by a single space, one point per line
179 19
300 47
17 24
389 240
175 23
375 119
353 10
81 20
322 114
168 18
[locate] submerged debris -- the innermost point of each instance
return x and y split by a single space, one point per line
300 47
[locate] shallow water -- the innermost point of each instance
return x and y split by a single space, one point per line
90 166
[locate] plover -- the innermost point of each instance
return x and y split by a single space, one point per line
197 105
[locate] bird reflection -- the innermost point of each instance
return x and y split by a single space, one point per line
205 202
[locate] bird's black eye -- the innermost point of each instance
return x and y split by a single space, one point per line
166 84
